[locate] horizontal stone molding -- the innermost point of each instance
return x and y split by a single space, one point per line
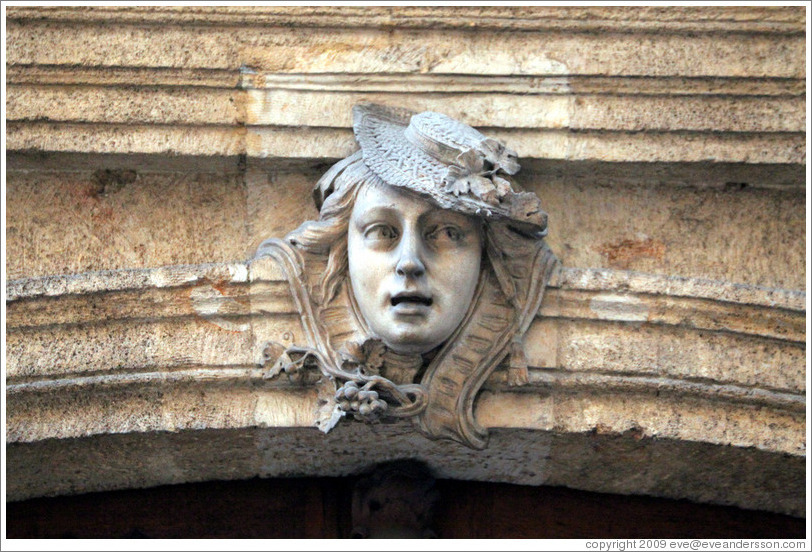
238 272
696 175
575 111
659 85
168 140
307 143
417 83
283 107
118 280
97 340
202 398
123 105
424 51
61 75
588 18
501 84
678 286
650 147
283 123
628 463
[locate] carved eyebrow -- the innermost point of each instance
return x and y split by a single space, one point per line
446 216
375 213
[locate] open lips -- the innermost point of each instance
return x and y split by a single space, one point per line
415 298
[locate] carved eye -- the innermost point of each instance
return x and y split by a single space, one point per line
453 234
381 232
447 234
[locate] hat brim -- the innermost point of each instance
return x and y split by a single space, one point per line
380 131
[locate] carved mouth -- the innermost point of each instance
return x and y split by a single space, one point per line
412 299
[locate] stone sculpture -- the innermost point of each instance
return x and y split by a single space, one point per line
421 275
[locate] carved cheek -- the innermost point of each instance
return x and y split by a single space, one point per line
380 267
457 271
368 272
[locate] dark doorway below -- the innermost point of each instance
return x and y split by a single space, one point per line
320 508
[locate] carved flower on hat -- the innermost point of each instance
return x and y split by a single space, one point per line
475 172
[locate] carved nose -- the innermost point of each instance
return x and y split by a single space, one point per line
410 266
409 263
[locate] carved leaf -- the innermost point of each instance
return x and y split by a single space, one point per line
501 157
456 181
282 364
503 187
328 413
374 351
483 188
352 352
471 161
275 355
469 174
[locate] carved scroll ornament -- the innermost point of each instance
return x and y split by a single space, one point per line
420 277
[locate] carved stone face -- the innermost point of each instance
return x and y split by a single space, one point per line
413 267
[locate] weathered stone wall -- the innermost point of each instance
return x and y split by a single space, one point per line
667 145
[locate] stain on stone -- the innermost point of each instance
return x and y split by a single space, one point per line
621 254
102 215
110 181
214 306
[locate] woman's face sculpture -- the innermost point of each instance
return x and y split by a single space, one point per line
413 267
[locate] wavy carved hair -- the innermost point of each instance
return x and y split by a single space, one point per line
335 196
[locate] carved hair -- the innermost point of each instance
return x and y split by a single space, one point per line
335 195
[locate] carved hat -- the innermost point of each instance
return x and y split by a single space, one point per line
455 165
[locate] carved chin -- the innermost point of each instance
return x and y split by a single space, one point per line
407 343
406 338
